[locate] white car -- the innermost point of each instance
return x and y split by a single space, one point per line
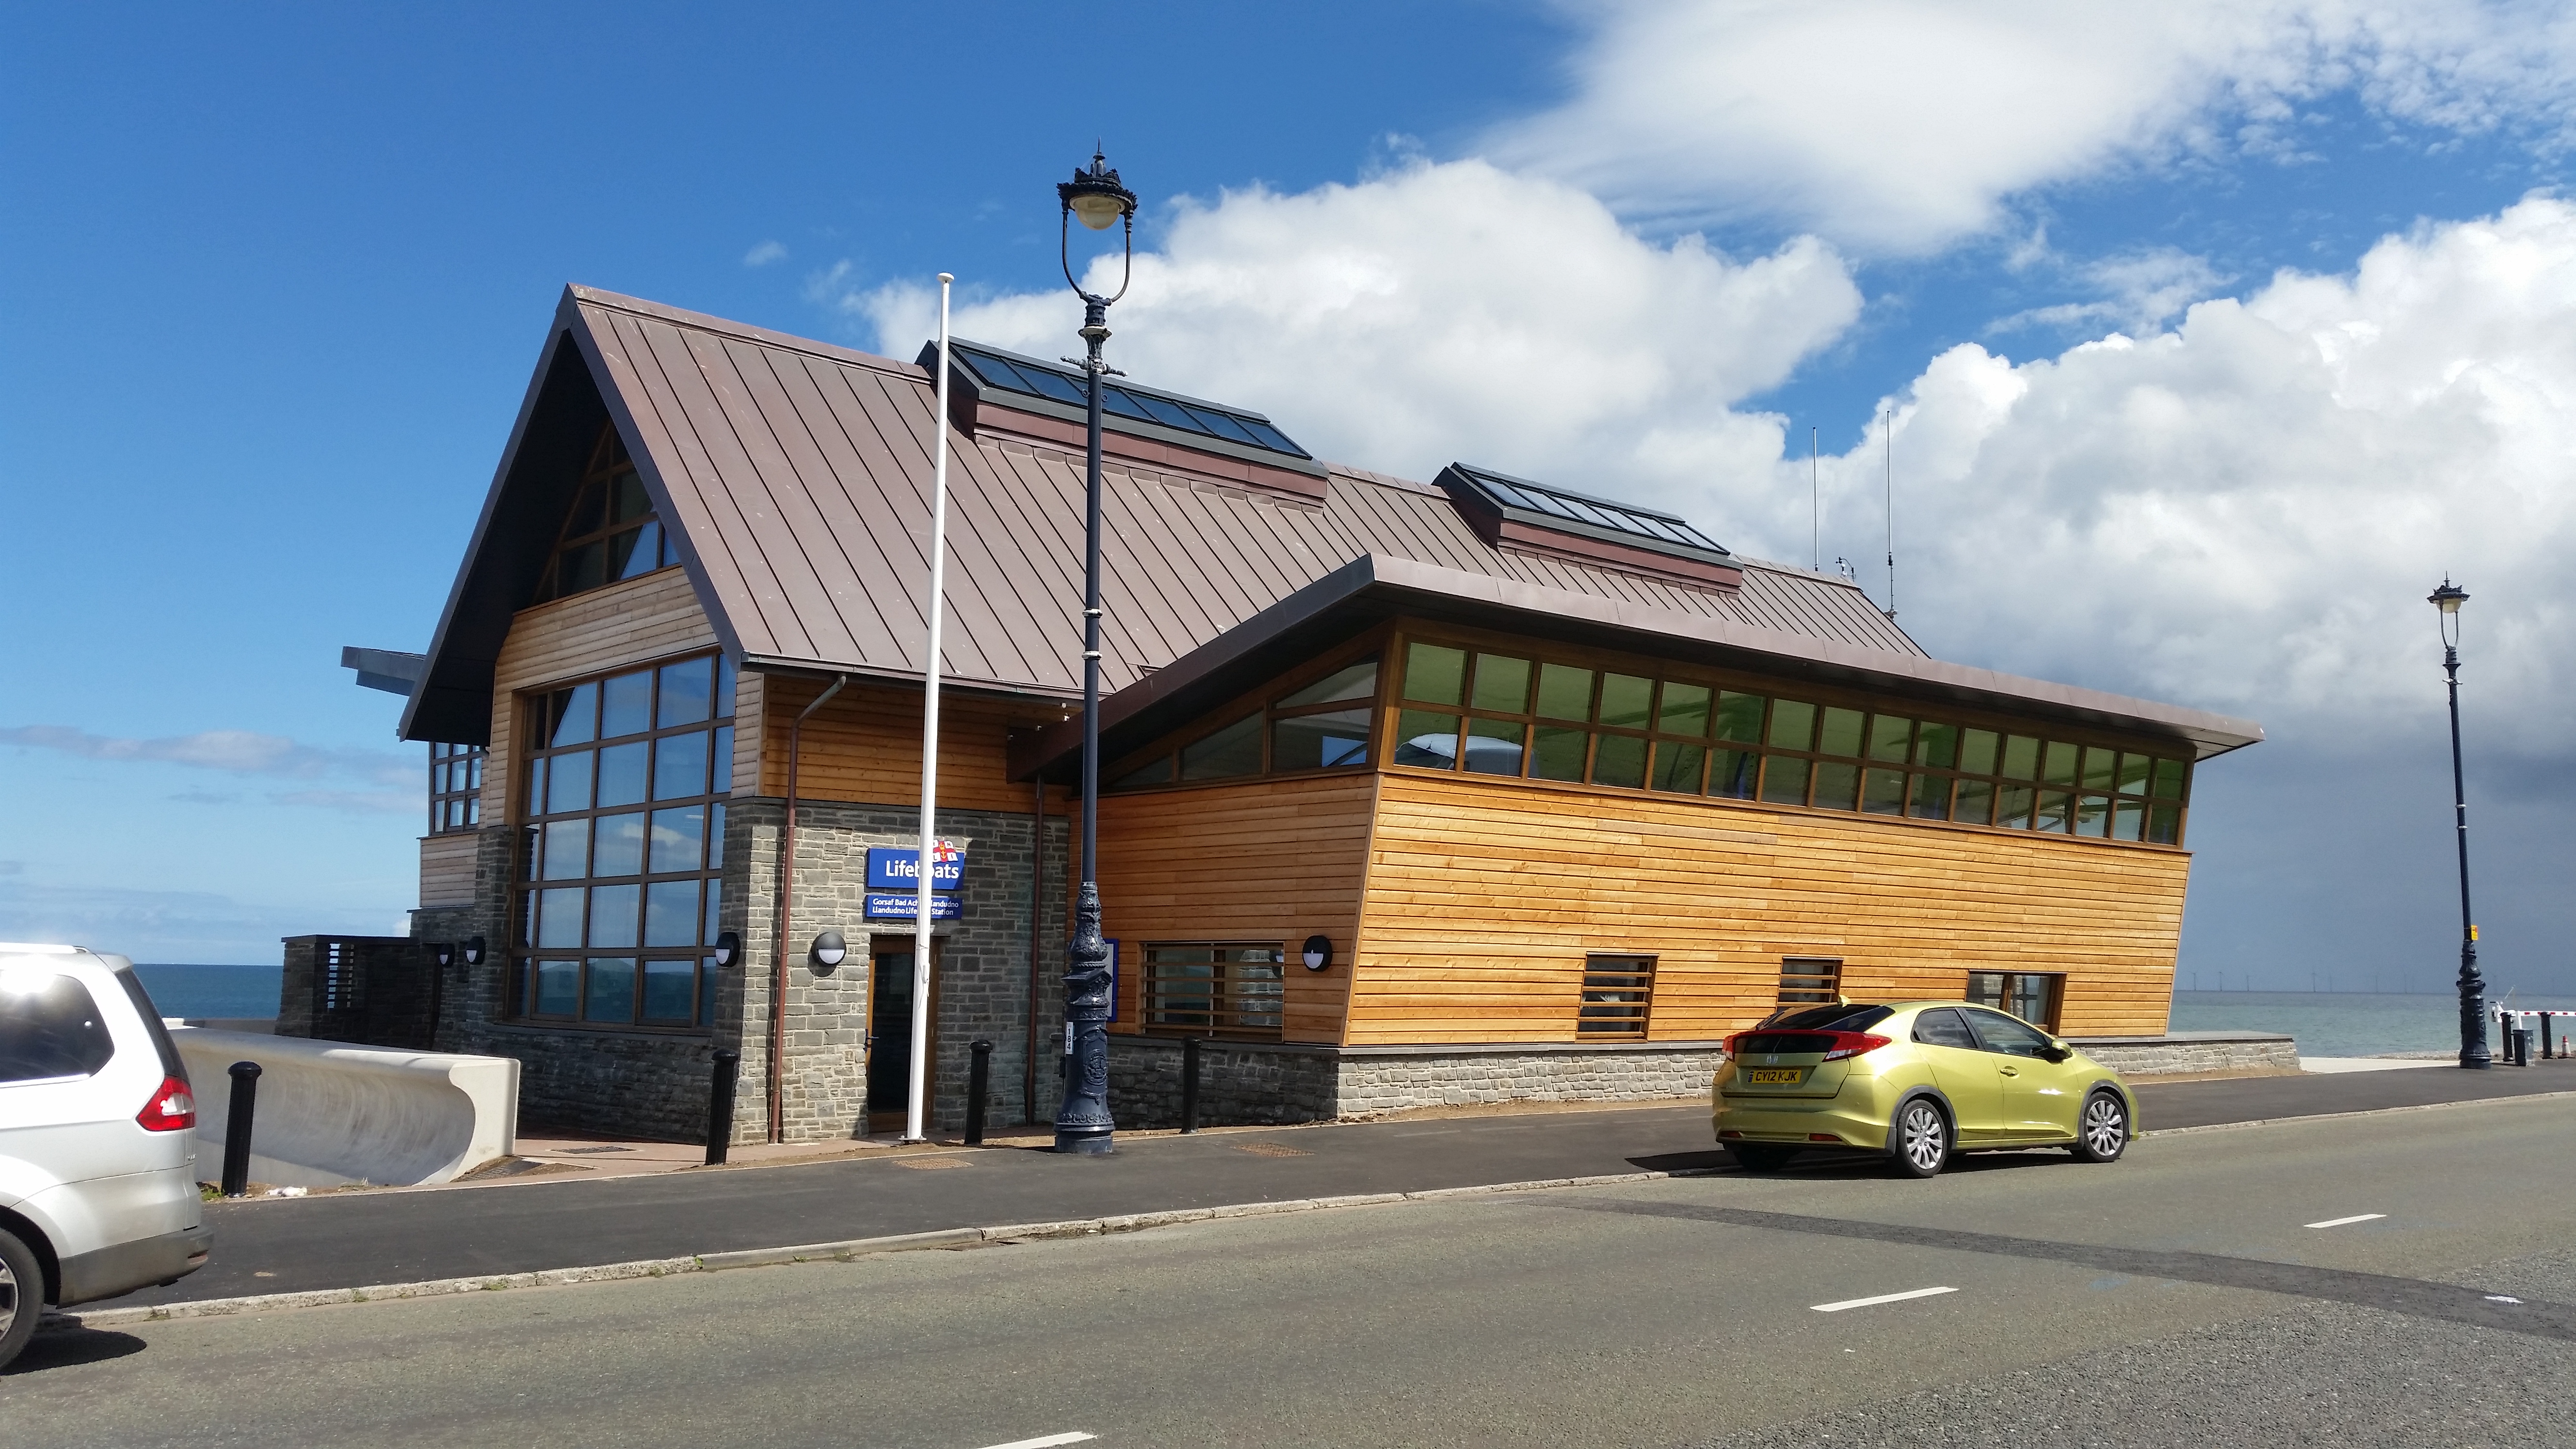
98 1157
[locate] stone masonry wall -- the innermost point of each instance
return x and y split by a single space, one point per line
1378 1079
1241 1084
983 960
2192 1051
1266 1083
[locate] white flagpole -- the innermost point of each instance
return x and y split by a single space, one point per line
923 859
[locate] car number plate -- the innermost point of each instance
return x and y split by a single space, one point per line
1775 1076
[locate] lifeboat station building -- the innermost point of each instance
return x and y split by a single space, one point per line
1471 789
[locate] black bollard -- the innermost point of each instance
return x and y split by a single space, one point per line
245 1077
2522 1046
979 1078
720 1104
1189 1084
2544 1036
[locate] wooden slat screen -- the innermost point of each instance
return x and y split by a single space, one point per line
1616 992
1810 978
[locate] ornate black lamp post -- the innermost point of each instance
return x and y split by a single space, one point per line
2473 988
1082 1122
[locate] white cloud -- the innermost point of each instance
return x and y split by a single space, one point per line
765 253
240 752
1903 124
2136 291
166 925
1439 312
364 802
2246 512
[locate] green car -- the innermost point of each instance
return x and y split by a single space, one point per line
1916 1080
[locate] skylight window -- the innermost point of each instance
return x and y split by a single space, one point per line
1504 499
1029 378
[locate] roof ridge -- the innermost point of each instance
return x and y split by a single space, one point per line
766 336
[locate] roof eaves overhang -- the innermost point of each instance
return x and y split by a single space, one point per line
453 703
1373 588
573 390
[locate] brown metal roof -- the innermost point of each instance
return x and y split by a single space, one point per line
1370 588
795 476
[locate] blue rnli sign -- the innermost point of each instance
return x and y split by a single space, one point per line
891 869
886 906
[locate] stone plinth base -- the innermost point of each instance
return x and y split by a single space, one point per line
2181 1052
1268 1083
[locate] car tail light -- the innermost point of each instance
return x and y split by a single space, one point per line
1849 1044
173 1108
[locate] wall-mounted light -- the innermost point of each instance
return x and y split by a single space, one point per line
1318 952
474 952
728 949
443 953
830 949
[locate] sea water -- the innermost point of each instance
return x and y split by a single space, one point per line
2352 1023
212 991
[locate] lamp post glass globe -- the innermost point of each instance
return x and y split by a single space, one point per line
1094 196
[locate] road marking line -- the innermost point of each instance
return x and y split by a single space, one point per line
2348 1222
1882 1298
1069 1437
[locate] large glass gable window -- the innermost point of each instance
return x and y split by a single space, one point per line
611 533
621 848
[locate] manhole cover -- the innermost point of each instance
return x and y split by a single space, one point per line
591 1151
1271 1149
927 1164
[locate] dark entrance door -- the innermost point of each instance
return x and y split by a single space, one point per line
890 1034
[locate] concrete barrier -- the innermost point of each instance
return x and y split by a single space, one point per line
331 1113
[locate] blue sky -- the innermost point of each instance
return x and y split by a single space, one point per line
272 280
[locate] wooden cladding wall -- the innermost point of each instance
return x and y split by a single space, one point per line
635 622
865 745
447 869
1484 897
1267 860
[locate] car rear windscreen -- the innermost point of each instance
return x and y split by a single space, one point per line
1839 1017
49 1027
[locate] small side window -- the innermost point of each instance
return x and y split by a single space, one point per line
1941 1026
50 1027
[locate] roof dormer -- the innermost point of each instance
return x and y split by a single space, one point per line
1515 513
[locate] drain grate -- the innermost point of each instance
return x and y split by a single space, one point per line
1271 1149
591 1151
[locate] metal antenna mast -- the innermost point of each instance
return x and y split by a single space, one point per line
1816 499
1887 430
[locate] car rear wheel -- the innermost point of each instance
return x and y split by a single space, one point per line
1918 1145
2102 1133
1761 1156
22 1296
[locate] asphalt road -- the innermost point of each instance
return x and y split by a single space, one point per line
354 1240
2181 1296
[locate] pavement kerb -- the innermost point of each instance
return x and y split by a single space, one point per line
807 1253
2346 1116
1014 1233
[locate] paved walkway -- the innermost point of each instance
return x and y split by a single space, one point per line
357 1239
